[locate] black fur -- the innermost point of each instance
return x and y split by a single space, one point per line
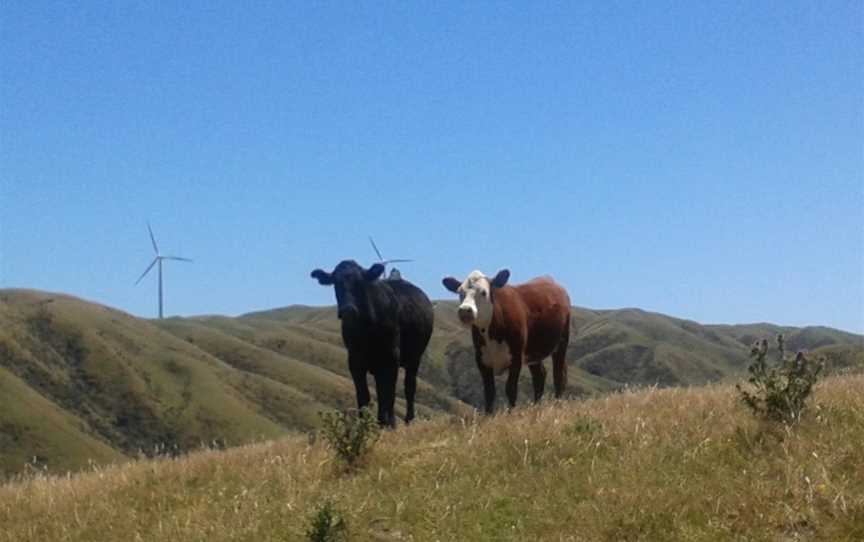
385 324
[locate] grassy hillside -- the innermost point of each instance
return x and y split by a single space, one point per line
33 429
656 464
80 382
806 338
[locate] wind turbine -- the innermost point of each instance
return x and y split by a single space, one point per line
394 273
158 260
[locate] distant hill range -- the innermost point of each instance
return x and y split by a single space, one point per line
82 383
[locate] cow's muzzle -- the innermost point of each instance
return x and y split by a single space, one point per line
466 315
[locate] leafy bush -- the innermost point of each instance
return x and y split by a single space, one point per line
781 390
351 434
326 525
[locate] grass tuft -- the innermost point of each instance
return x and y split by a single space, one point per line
326 525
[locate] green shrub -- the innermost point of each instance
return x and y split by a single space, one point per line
351 434
326 525
780 391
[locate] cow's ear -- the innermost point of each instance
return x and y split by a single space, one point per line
324 278
501 278
374 272
451 284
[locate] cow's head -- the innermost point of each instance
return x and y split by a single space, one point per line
477 294
348 279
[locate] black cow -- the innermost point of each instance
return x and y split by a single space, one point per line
385 324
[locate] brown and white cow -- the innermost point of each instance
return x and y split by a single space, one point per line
515 324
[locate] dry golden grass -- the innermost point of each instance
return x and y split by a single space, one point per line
671 464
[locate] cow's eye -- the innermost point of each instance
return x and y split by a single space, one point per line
483 293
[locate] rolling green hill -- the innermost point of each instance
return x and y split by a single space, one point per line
81 382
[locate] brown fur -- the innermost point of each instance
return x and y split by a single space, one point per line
532 318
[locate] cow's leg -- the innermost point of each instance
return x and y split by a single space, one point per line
410 392
513 380
538 378
385 386
360 384
559 364
488 378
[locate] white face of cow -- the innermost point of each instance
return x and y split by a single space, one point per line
476 306
475 294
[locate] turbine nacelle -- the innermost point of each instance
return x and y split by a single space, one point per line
394 273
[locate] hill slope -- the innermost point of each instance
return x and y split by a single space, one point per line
81 382
657 464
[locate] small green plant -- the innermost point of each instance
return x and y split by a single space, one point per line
781 390
351 434
583 425
326 525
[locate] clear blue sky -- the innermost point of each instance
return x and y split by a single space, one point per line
702 160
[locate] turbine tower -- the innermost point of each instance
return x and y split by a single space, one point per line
394 273
158 260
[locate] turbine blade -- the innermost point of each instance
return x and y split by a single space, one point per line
147 270
178 258
378 252
153 239
396 261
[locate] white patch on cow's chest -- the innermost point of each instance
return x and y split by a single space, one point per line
495 355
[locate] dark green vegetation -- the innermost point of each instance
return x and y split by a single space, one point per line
779 392
351 433
81 382
326 525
